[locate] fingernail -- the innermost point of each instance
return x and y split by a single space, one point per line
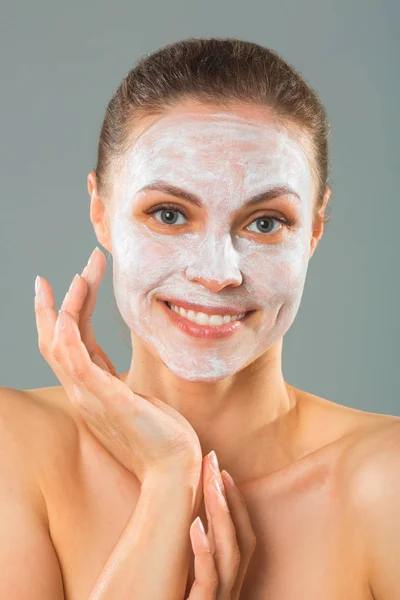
38 291
199 524
73 281
217 486
200 533
88 273
90 258
214 461
228 477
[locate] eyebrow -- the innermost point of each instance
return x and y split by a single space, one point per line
267 194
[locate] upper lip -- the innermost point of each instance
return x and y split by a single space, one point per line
209 310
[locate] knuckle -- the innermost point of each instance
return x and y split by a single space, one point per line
235 558
92 351
42 346
209 556
55 352
38 308
78 371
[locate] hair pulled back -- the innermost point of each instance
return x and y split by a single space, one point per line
221 71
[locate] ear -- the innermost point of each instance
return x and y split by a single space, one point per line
98 213
318 228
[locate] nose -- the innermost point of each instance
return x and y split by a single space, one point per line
215 264
212 284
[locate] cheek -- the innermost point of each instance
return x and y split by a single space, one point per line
141 262
276 277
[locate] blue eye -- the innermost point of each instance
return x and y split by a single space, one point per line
169 209
265 219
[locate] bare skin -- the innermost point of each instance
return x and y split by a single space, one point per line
295 471
309 541
304 508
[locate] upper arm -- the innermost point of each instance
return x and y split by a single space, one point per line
377 489
29 568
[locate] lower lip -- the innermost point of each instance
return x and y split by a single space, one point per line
204 331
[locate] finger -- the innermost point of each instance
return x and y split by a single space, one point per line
210 534
245 535
92 274
227 555
80 302
81 298
206 579
101 359
75 356
46 316
106 390
75 297
207 469
46 323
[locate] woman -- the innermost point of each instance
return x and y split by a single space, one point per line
205 143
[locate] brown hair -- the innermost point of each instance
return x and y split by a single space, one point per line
219 71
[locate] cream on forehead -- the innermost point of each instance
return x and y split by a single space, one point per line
224 159
239 155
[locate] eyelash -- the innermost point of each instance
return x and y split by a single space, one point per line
288 222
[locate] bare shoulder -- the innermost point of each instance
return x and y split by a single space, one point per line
374 460
53 399
37 411
370 473
40 426
17 435
25 542
368 444
327 423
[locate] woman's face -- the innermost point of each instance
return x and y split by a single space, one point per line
221 253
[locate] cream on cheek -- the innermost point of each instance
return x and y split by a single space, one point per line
224 160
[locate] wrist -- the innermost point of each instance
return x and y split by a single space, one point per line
187 466
173 475
176 485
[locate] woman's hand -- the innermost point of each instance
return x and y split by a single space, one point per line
223 555
143 433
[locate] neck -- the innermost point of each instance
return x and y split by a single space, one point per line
250 419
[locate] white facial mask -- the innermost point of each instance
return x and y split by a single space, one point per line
223 159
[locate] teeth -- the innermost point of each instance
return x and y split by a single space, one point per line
203 319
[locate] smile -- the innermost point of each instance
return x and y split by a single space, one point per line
201 325
202 318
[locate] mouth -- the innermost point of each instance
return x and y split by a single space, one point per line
217 326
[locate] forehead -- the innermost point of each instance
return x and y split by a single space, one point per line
207 149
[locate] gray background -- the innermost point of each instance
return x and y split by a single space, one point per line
60 64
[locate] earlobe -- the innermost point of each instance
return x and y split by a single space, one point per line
313 245
317 232
99 218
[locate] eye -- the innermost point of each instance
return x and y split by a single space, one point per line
263 220
167 209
